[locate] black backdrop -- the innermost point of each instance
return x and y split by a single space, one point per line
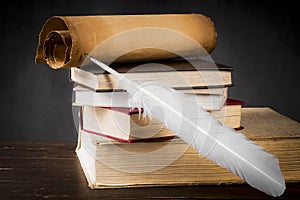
260 40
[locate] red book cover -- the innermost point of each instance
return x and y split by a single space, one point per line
125 110
129 111
230 101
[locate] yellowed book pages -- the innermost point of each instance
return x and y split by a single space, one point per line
64 39
176 74
126 125
265 123
108 164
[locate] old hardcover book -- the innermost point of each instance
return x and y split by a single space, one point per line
209 99
125 124
108 163
177 73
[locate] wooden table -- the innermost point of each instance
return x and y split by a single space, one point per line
43 170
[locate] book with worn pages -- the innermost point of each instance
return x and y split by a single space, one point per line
109 163
208 98
127 125
178 74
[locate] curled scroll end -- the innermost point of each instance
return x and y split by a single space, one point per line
57 48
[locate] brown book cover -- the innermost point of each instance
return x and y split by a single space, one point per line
177 74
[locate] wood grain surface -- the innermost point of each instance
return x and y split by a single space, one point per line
43 170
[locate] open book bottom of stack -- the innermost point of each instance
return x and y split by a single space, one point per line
109 163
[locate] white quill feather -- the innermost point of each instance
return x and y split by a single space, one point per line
207 135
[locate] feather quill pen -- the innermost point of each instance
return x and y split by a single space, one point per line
194 125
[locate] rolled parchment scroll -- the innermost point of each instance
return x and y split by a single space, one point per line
64 39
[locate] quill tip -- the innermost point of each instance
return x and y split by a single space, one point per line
86 55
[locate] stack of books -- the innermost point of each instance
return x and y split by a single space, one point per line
116 146
119 148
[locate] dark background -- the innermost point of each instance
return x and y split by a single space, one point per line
259 39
